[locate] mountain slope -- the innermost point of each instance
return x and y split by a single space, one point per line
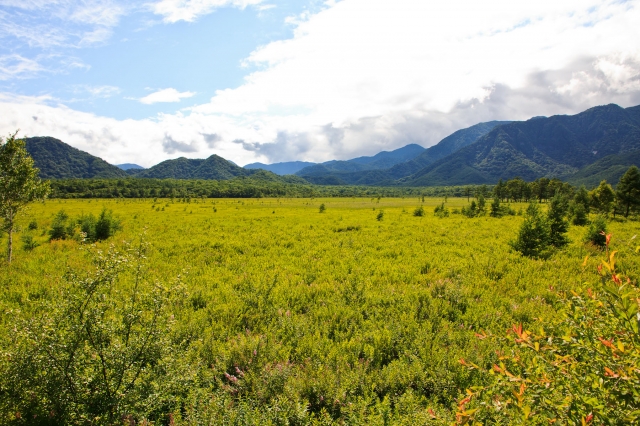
323 175
214 167
557 146
58 160
381 160
610 168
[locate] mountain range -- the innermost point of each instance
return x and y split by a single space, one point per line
599 143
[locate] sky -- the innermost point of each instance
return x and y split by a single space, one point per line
283 80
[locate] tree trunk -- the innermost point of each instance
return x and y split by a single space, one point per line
10 243
9 222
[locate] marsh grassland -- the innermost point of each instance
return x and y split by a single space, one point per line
281 314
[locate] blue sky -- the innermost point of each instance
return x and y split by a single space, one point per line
260 80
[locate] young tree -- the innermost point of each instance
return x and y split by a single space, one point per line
602 198
558 226
533 238
628 191
19 184
495 208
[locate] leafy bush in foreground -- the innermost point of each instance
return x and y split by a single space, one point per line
581 368
95 355
596 232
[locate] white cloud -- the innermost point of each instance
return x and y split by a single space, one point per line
17 66
365 75
190 10
165 95
60 23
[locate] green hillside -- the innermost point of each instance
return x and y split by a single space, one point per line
58 160
214 167
321 174
557 146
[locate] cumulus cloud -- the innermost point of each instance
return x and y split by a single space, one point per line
189 10
362 76
165 95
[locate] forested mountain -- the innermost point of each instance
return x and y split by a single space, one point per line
610 168
557 146
600 143
446 146
57 160
214 167
285 168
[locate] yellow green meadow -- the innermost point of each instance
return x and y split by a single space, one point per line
289 315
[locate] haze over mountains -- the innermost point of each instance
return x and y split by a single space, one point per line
599 143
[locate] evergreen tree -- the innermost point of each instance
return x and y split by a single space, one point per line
628 191
495 208
481 204
582 197
533 237
558 226
602 198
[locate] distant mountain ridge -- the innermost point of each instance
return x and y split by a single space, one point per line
557 146
447 146
599 143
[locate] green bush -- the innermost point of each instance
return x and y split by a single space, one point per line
441 211
596 232
419 211
28 243
86 227
533 237
579 214
581 368
60 227
106 225
558 225
96 355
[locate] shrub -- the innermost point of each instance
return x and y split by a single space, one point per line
96 355
419 211
579 214
86 227
582 367
106 225
322 208
471 210
59 227
33 225
380 215
28 243
533 238
558 226
596 232
441 211
495 208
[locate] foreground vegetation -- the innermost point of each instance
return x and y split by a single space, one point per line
269 311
